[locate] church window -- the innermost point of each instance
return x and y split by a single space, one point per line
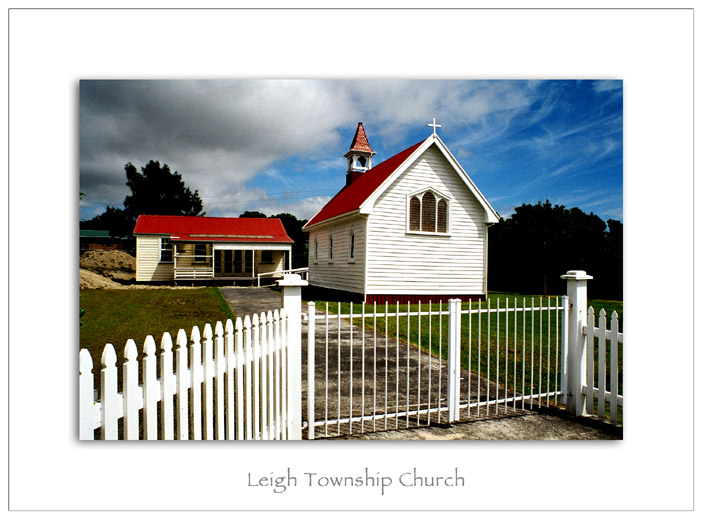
316 249
331 248
352 245
415 212
442 216
428 213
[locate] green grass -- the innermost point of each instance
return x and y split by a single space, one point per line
507 347
114 316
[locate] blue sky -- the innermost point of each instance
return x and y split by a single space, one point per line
277 146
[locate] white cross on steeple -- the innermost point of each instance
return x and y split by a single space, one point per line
434 125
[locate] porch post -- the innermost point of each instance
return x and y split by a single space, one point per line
575 362
292 303
454 359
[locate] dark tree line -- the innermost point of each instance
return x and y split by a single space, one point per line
530 250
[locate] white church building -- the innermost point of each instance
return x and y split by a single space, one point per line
412 228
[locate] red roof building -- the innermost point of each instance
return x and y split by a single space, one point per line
205 228
172 248
412 228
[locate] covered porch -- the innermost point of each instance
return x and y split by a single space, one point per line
236 262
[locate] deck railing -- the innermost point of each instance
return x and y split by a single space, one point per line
199 266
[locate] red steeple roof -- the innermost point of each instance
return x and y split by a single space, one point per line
352 197
360 141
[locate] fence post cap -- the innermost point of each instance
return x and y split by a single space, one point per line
577 275
292 280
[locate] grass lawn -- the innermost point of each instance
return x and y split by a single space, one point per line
505 348
114 316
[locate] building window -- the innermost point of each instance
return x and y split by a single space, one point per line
331 248
428 213
266 256
442 216
316 249
200 253
166 252
415 214
352 246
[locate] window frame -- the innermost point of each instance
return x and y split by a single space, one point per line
161 241
198 257
330 251
352 246
268 261
419 195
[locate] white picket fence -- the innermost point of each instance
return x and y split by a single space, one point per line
608 341
239 389
361 380
243 380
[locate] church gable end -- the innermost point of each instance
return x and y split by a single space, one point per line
415 226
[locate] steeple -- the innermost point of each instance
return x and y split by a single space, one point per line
359 155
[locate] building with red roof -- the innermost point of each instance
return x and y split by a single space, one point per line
170 248
412 228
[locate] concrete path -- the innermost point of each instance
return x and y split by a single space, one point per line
530 426
393 366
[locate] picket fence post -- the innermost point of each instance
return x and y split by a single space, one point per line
575 363
454 359
311 339
292 304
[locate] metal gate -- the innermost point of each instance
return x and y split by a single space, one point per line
374 368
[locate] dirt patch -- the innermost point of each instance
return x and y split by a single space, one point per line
90 279
93 280
112 269
115 265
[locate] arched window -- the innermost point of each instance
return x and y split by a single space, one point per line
428 212
415 214
442 216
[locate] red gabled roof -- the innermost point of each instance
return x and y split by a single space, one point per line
352 197
205 228
360 141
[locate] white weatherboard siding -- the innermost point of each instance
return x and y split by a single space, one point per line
341 273
148 267
404 263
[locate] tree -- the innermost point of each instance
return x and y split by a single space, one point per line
252 214
158 191
154 191
529 251
113 219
